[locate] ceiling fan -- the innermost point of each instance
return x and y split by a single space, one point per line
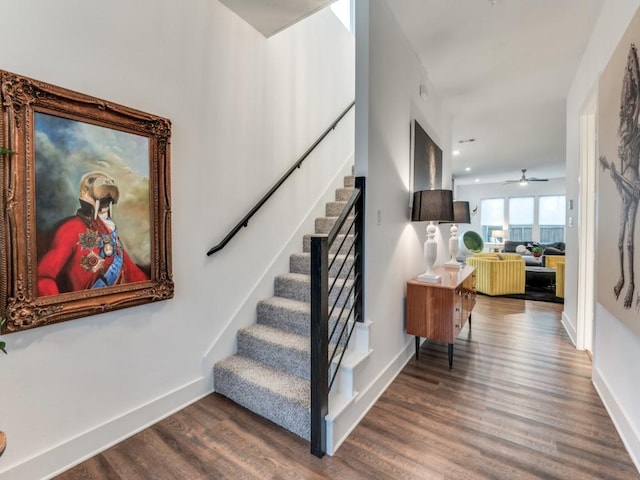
524 180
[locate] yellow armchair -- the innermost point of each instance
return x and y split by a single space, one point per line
550 261
498 273
499 256
560 279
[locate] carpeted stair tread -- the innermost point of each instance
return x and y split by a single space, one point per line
272 379
349 181
301 263
344 194
288 315
323 225
306 244
296 308
334 209
289 352
264 333
280 397
298 287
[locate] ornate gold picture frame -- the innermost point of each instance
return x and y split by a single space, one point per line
86 225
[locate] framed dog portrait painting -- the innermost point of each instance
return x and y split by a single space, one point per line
86 202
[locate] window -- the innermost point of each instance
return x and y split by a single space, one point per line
343 9
534 218
551 218
521 218
491 217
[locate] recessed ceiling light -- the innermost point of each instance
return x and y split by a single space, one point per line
477 180
468 169
456 153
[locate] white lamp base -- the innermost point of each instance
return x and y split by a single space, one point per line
428 278
452 265
430 255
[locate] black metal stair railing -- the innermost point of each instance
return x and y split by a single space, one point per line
244 222
339 303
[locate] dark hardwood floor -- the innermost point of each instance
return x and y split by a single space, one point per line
518 404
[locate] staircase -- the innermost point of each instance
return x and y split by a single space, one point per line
270 373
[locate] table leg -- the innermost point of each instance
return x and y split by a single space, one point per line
417 346
450 354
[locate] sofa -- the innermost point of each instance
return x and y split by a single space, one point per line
554 249
498 273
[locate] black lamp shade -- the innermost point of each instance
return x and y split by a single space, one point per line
432 206
461 212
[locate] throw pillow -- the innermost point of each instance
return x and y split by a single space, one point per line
522 250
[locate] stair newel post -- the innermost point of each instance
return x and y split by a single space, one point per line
359 250
319 343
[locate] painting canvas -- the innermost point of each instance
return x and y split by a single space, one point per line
87 203
69 156
427 161
618 261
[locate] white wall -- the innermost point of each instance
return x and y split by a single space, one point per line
243 108
388 76
616 349
474 193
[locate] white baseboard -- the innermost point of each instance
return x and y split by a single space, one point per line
570 329
626 429
368 397
73 451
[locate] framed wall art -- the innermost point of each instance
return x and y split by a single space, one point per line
617 255
86 205
426 160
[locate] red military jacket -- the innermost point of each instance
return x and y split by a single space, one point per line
84 250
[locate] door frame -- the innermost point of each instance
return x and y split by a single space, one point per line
587 222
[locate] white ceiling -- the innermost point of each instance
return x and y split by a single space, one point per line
271 16
503 68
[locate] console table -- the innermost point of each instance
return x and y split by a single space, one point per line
439 311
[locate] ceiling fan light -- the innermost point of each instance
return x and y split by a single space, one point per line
523 182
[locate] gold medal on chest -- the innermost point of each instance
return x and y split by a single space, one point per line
108 247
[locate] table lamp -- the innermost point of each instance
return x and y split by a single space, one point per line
461 214
431 206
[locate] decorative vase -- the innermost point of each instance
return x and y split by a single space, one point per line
3 442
